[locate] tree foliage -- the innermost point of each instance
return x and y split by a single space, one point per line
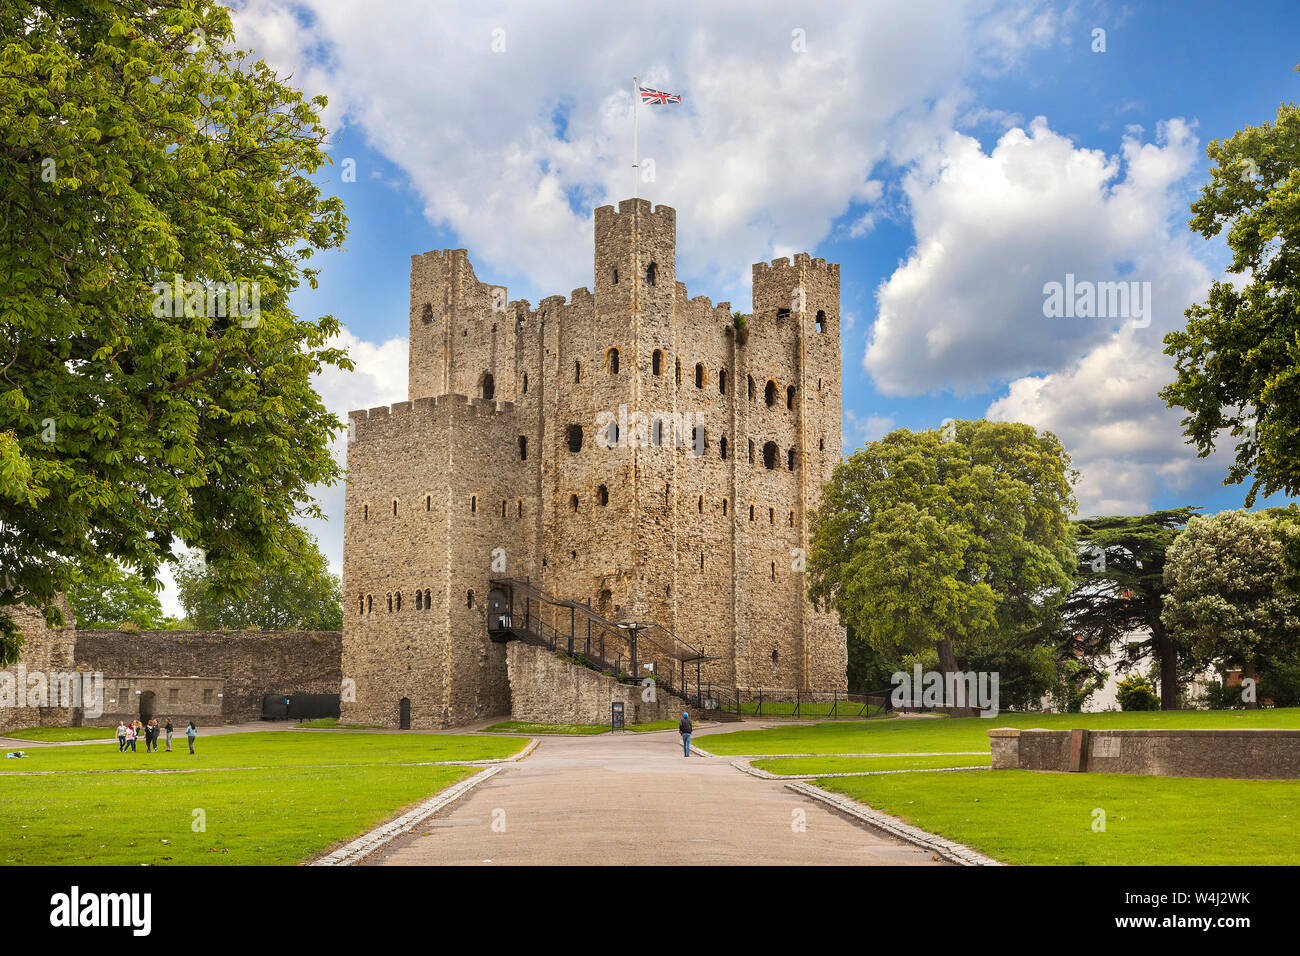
1121 589
112 596
961 535
1238 359
137 146
1227 602
297 592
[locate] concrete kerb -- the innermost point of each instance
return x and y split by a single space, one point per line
354 851
957 853
746 766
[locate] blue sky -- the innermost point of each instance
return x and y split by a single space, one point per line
952 156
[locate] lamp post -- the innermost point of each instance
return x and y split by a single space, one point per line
635 627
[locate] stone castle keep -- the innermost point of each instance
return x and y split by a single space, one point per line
631 449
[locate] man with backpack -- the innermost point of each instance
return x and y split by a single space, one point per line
684 728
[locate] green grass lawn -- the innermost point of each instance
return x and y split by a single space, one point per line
928 735
652 726
812 765
60 734
1024 817
332 723
285 798
524 727
270 750
843 710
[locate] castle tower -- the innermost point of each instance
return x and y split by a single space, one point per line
630 448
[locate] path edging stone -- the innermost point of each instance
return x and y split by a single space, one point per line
953 852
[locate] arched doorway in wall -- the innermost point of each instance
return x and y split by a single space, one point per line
146 705
404 714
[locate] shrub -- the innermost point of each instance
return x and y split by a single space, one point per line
1136 692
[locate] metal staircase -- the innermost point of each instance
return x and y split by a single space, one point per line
629 651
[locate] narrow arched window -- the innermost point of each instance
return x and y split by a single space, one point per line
611 361
771 516
361 609
769 455
573 433
657 432
751 512
724 507
751 451
489 385
577 372
427 314
699 375
365 512
821 444
701 504
370 602
428 502
473 504
503 507
520 512
390 604
790 459
751 387
573 502
789 397
722 445
821 321
602 495
398 596
722 381
656 362
525 383
394 507
469 598
428 599
769 393
419 600
651 274
615 276
773 570
523 447
792 519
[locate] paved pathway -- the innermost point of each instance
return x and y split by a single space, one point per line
633 799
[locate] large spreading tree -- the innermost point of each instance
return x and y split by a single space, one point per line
1238 359
138 147
948 540
296 592
1121 589
1227 602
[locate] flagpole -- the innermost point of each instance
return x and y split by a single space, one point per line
636 95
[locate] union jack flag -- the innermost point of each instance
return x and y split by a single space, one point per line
658 96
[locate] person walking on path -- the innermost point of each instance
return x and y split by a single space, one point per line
169 735
684 728
130 736
121 737
191 732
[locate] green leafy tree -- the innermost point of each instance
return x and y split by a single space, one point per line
1227 602
1120 588
297 592
1237 363
940 539
137 147
111 596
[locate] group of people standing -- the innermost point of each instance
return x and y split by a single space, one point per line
130 732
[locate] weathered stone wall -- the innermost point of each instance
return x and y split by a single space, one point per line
710 544
234 670
545 688
45 650
1252 754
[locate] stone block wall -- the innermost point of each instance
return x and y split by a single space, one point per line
228 673
1248 754
545 688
